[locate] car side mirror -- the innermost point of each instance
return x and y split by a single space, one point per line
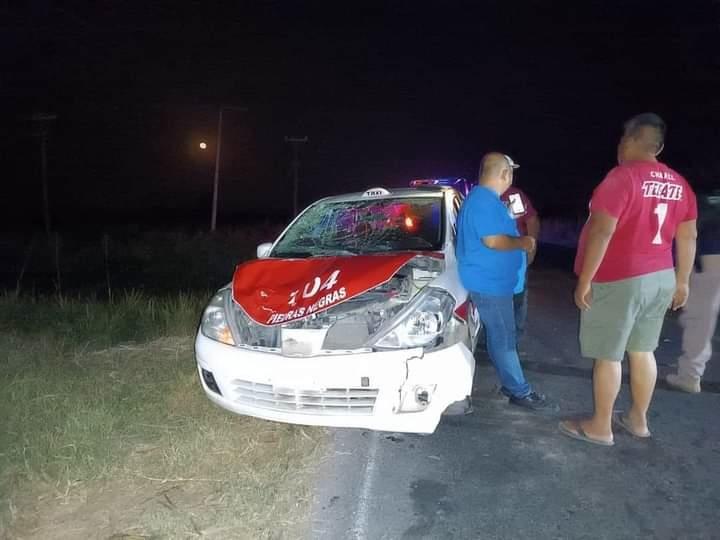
263 250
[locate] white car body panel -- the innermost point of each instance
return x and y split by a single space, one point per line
391 373
309 389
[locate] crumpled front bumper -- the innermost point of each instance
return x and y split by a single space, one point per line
399 391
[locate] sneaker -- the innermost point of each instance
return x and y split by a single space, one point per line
534 402
684 384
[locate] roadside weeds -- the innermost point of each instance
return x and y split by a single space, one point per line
118 440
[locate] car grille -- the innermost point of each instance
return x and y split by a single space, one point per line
329 402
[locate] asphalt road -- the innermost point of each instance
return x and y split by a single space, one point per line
503 473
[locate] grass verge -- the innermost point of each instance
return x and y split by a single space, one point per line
107 437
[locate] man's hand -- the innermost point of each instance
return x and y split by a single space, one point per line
583 295
528 244
531 256
682 291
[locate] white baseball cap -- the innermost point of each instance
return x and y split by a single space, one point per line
510 161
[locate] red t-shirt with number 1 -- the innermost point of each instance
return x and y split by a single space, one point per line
649 200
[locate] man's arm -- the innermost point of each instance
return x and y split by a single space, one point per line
533 226
533 229
600 229
503 242
685 244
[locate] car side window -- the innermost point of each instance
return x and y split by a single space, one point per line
456 203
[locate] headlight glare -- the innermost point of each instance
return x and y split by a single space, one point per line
421 323
214 322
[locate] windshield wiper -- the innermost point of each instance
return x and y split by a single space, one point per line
336 251
292 254
319 252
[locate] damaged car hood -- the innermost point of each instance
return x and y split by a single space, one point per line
274 292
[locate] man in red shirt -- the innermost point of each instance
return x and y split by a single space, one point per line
626 280
528 224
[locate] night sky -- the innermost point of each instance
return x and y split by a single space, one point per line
384 91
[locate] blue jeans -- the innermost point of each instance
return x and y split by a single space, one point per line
498 318
520 305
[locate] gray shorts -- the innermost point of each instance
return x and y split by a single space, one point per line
626 315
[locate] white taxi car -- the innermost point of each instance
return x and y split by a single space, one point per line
354 317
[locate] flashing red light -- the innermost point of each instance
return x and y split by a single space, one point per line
410 223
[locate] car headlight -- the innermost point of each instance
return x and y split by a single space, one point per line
214 323
420 324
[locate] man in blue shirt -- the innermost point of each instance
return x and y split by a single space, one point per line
492 258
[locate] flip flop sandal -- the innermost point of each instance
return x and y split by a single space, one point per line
580 435
622 422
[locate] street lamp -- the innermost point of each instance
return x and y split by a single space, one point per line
216 179
203 145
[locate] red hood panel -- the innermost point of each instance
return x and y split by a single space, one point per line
277 291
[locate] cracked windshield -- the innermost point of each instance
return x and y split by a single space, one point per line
365 226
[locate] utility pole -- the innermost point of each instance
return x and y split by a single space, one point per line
295 142
41 129
216 178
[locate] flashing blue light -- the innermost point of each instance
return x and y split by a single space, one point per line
460 184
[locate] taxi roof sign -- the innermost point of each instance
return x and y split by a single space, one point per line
376 192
